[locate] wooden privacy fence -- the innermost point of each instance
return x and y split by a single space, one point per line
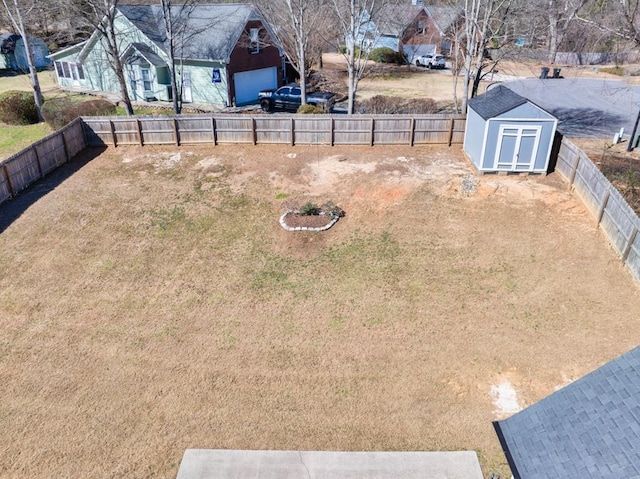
276 129
20 170
618 220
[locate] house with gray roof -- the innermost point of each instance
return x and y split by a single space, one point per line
414 29
224 54
589 429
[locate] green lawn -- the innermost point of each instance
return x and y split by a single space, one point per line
23 83
15 138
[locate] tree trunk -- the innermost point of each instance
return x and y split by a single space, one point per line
18 23
303 68
122 81
553 39
352 82
33 73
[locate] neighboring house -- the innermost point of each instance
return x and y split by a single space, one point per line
589 429
414 29
13 55
225 54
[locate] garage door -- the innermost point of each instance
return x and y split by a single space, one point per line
248 84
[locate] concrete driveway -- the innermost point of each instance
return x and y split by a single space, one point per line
236 464
592 108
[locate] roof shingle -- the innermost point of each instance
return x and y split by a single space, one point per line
588 429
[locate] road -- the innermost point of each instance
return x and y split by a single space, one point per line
595 108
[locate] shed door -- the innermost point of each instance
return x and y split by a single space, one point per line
248 84
517 147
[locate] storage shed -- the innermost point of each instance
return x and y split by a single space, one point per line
506 132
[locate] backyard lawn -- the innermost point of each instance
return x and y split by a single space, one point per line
151 303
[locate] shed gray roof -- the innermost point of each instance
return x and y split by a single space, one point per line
210 30
588 429
495 102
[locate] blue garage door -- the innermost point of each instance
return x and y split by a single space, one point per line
248 84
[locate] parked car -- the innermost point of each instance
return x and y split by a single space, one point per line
431 60
289 97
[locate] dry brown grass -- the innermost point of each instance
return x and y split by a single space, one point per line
151 303
412 82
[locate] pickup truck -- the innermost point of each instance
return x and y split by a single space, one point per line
432 60
289 97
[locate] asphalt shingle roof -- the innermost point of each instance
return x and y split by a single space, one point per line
211 30
496 101
392 20
445 17
588 429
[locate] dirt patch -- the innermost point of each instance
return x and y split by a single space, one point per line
153 305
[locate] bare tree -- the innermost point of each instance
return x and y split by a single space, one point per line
483 20
102 15
560 15
355 19
619 18
18 13
297 26
175 16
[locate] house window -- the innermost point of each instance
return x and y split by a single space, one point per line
80 71
254 38
146 79
421 28
66 72
59 69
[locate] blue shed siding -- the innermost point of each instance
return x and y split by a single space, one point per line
527 111
474 137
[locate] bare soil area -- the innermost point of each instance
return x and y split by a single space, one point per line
152 303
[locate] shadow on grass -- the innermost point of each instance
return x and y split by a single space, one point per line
12 209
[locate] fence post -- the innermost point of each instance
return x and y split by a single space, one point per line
333 127
8 177
373 128
214 134
113 133
627 249
85 139
412 132
35 151
175 131
450 131
292 133
139 132
64 146
253 131
603 207
572 177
